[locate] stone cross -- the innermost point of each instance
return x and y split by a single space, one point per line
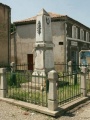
44 58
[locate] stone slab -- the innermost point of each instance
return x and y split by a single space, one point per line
45 110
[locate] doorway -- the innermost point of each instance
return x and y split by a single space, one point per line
30 61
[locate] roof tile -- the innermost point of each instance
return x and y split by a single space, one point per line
53 15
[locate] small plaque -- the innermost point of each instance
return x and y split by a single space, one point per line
47 20
73 43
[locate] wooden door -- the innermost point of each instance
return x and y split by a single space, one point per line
30 61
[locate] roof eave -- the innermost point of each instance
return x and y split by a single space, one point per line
5 5
61 18
34 21
25 22
75 21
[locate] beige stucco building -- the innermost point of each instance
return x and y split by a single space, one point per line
5 21
69 37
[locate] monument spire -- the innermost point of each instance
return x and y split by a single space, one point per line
44 58
43 12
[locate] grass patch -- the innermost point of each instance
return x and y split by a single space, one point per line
32 96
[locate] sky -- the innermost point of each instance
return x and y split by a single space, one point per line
76 9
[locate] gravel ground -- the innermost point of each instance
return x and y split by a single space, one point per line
12 112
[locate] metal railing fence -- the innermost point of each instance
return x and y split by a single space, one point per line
69 87
24 86
88 81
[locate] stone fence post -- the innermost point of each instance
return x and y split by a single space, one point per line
12 67
83 81
70 66
3 83
52 95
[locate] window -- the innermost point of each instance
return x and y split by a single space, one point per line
60 43
87 36
78 32
69 30
74 32
81 34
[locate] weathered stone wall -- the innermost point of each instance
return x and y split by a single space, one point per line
4 34
26 36
25 39
13 47
58 37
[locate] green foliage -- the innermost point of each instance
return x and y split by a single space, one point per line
47 85
13 28
60 74
16 78
36 97
69 92
18 92
13 80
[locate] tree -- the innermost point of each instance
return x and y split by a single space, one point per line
13 28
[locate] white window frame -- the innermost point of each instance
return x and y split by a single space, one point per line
81 34
87 36
74 32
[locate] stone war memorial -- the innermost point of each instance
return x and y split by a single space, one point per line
44 58
44 90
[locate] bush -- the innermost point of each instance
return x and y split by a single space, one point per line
13 80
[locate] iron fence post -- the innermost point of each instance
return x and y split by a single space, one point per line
52 95
3 83
83 81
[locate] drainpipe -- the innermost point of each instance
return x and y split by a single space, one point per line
15 48
65 46
9 36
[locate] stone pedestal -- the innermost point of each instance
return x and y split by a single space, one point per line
44 58
52 95
12 66
3 83
70 66
83 81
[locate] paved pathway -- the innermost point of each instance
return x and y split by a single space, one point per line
12 112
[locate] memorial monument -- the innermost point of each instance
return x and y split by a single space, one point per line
44 58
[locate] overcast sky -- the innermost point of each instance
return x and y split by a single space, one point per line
76 9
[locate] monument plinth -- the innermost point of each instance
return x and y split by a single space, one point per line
44 58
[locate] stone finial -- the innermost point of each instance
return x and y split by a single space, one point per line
52 75
43 12
12 66
84 69
2 70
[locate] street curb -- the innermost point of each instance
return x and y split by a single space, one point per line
45 110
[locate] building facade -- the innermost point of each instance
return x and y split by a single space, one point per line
69 37
5 21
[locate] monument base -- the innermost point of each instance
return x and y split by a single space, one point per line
33 86
38 81
39 77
